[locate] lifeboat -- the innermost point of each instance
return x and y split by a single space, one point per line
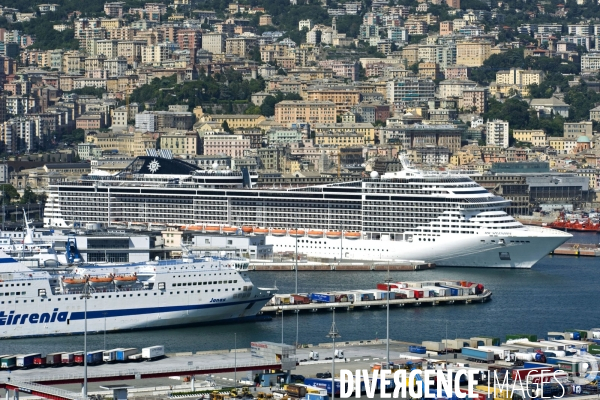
194 228
247 229
212 229
334 234
230 229
315 234
296 232
97 281
74 282
261 231
125 280
352 235
278 232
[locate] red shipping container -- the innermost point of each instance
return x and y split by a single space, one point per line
523 372
418 293
384 286
78 359
39 361
300 299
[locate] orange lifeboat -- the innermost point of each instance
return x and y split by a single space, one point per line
247 229
230 229
125 280
315 234
192 227
75 282
212 229
100 280
261 231
352 235
296 232
334 234
278 232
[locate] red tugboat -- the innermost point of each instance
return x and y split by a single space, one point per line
585 225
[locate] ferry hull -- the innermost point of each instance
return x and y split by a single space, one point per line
101 317
520 248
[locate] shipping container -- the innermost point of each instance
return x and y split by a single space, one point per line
482 341
384 286
557 336
154 352
531 338
323 384
296 390
457 290
110 355
322 297
68 358
26 360
437 291
8 362
39 361
453 291
123 354
594 349
532 364
78 358
417 349
299 299
404 293
434 346
477 355
136 357
95 357
315 396
501 353
54 359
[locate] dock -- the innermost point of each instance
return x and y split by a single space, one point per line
365 305
578 249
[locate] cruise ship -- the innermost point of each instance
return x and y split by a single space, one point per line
433 217
122 297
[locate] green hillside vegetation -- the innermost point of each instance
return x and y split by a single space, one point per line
219 88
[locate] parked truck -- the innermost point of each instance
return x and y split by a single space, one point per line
322 297
95 357
39 361
123 354
434 346
110 355
477 355
54 359
8 362
153 352
68 358
26 360
323 384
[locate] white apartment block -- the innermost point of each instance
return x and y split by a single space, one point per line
497 133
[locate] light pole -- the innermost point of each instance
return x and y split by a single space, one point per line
85 296
387 326
281 324
104 329
296 292
235 359
333 334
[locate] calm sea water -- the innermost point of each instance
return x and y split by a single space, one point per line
558 293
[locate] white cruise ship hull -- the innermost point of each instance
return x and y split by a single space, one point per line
520 248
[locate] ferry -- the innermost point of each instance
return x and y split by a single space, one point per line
120 297
430 216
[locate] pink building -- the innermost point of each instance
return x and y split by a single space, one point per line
230 145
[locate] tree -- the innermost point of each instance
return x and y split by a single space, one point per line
225 127
28 196
9 193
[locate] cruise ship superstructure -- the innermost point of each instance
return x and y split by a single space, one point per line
435 217
121 297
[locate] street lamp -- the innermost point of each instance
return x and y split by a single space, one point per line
387 327
85 296
333 334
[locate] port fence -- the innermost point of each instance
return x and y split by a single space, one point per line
140 373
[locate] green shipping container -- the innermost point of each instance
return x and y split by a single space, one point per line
8 362
594 349
531 338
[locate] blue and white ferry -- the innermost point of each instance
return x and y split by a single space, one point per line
122 297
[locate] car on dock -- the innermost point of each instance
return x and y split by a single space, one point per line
323 375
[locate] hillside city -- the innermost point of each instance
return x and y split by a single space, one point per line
307 92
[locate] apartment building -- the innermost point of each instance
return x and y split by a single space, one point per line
319 112
472 54
497 133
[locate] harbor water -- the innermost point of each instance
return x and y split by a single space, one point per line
558 293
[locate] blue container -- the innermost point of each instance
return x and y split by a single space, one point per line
323 384
530 364
453 291
322 297
417 349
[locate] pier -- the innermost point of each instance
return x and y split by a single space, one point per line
365 305
578 249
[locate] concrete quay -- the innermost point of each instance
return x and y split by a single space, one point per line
365 305
578 249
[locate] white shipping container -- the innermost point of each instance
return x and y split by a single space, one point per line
153 352
409 293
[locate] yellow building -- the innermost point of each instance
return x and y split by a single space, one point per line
364 128
344 99
233 120
132 144
515 80
341 139
315 112
472 54
563 145
181 143
536 137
